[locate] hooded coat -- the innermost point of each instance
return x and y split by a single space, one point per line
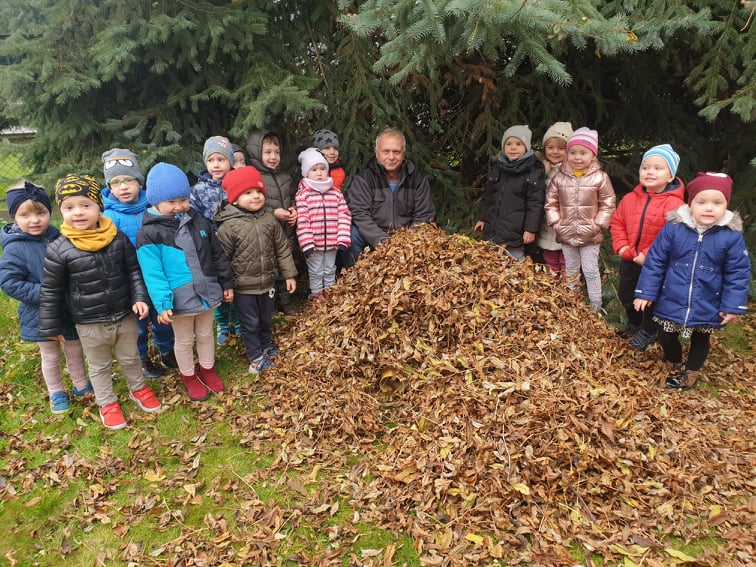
693 276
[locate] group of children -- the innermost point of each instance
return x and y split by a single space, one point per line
684 268
159 254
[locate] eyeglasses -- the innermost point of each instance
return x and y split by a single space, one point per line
122 181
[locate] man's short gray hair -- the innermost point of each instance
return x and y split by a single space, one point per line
395 132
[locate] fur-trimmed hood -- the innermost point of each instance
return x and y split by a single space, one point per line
684 216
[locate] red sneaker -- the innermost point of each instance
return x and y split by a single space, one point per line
194 387
112 416
145 398
210 378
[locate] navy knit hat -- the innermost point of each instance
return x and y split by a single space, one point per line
19 195
325 139
118 161
165 181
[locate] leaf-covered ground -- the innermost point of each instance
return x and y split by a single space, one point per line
457 399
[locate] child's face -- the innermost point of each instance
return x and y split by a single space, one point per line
708 207
80 212
173 206
251 200
239 160
32 218
271 155
555 150
331 153
579 157
655 174
125 188
217 166
318 172
514 148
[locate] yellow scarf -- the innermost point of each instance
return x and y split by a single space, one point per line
91 240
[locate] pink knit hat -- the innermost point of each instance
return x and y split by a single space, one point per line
584 137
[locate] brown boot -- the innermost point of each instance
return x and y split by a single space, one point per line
683 380
194 387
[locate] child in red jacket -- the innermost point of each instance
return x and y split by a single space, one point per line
639 217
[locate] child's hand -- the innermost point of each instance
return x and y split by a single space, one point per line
141 309
479 226
166 317
292 216
641 304
57 338
281 214
528 237
228 295
291 285
640 258
727 317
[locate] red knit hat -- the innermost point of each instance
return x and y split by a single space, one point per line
237 181
710 180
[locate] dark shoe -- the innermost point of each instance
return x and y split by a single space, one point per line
271 351
194 387
683 380
289 308
87 390
169 360
642 340
210 378
149 369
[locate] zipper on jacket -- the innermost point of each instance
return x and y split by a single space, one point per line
692 277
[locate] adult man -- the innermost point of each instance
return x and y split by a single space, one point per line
389 193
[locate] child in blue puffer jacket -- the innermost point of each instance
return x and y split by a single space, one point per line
697 272
24 242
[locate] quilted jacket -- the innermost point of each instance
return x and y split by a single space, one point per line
641 215
580 208
257 247
323 221
93 287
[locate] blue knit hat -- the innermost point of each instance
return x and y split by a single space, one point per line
165 181
665 152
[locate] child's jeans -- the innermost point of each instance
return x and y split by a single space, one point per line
49 352
162 335
185 329
255 313
100 341
321 269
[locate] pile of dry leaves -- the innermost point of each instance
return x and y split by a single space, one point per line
499 418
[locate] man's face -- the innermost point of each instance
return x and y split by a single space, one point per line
389 152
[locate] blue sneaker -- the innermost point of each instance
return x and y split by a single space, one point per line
271 351
59 402
88 389
259 364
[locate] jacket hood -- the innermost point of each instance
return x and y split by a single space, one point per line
684 216
11 233
254 149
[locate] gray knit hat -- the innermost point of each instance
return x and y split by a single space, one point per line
519 131
325 139
218 145
118 161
